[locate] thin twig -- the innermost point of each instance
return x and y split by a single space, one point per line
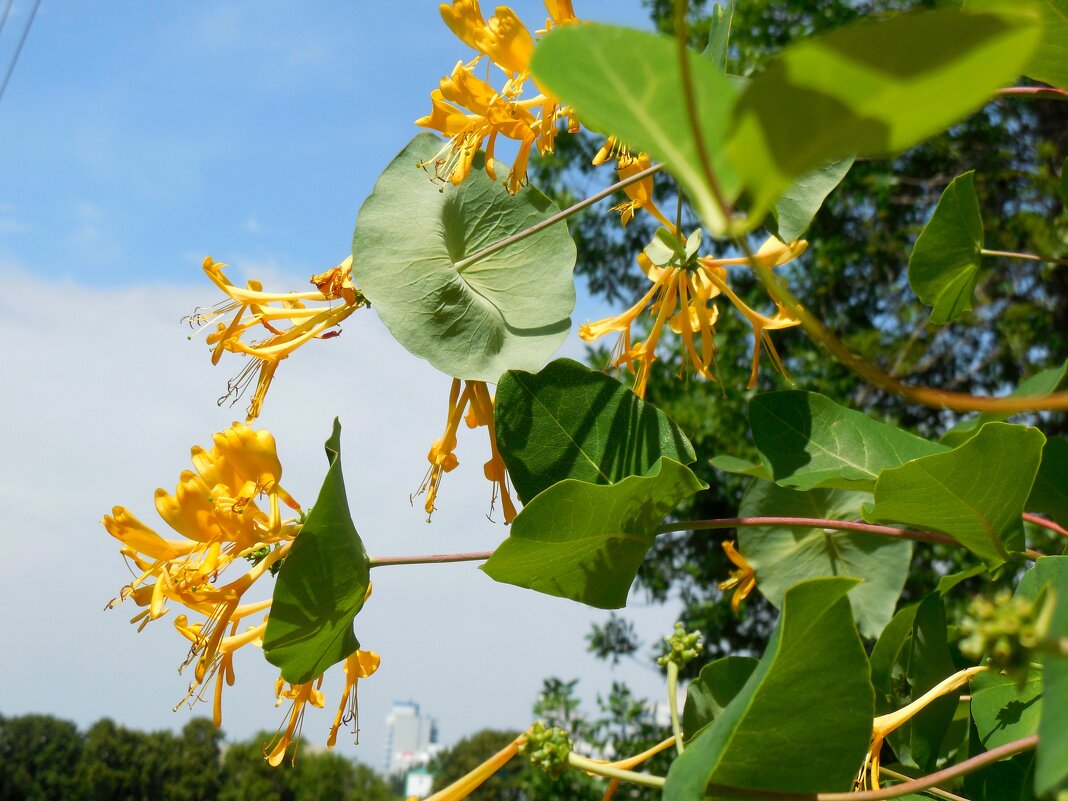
807 522
430 559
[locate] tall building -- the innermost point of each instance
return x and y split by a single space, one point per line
411 738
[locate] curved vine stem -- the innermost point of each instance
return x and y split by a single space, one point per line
807 522
1037 92
608 771
1012 254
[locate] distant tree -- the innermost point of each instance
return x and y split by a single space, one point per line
39 757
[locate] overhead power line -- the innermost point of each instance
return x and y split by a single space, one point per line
22 41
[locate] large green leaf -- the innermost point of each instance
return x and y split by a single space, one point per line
796 207
944 264
807 441
975 493
713 689
803 719
783 557
1002 710
321 586
911 657
569 421
1051 760
509 309
627 83
873 89
1040 384
1049 495
586 541
1049 62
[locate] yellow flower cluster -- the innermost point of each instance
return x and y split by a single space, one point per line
475 400
468 111
227 510
286 317
682 297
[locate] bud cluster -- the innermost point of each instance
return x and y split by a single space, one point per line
682 647
547 748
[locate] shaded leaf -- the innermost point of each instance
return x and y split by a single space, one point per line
783 557
569 421
975 493
807 441
911 657
713 689
872 89
741 467
1049 495
586 541
1051 758
1003 711
509 309
321 586
814 663
944 264
1049 62
626 83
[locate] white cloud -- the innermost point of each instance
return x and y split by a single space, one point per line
103 398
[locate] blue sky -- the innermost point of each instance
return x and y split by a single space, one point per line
137 138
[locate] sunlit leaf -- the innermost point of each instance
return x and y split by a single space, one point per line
802 721
975 493
807 441
944 264
321 586
509 309
1002 710
627 83
714 688
586 541
569 421
873 89
719 33
796 207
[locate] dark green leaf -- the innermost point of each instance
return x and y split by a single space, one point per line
321 586
795 209
626 82
1007 780
948 582
912 656
808 441
1040 384
783 557
944 264
569 421
1064 182
778 733
708 695
1051 759
1049 495
975 493
872 89
1003 711
507 310
586 541
719 34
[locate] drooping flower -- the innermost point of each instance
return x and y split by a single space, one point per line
358 665
475 406
469 111
285 316
882 726
682 297
216 511
742 580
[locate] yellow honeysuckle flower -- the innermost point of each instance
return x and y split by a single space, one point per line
358 665
640 193
682 297
469 111
475 406
742 580
868 777
216 512
465 785
301 695
285 316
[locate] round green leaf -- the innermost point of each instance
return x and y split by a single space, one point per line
944 263
509 309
